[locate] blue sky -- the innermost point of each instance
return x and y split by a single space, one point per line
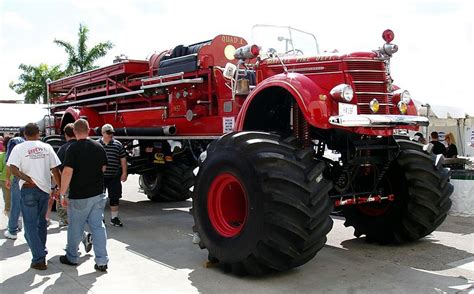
435 38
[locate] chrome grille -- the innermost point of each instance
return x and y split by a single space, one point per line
370 81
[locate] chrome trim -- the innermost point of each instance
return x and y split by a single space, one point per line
368 82
98 98
173 75
182 81
136 109
371 93
374 120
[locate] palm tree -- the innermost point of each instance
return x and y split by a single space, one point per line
80 59
33 82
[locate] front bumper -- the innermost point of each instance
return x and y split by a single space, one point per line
378 121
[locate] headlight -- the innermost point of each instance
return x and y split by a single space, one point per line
403 107
374 105
403 95
343 92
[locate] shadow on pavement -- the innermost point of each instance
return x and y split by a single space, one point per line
162 232
8 248
69 273
425 254
457 225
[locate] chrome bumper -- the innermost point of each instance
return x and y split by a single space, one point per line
378 121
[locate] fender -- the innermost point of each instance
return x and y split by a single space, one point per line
74 113
71 114
313 101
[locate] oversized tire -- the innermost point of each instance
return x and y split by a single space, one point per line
150 183
56 141
420 185
172 183
260 204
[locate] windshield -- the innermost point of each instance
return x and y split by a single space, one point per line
284 40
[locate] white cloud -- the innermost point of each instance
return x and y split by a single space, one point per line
13 21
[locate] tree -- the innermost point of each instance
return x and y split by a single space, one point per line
80 58
33 81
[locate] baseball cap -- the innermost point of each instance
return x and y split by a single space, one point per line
108 128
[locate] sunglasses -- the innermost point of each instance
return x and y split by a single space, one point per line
109 133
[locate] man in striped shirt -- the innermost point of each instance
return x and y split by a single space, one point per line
116 171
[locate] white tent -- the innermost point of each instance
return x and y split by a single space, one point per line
15 115
449 119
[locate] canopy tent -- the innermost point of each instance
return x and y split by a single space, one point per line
449 119
14 115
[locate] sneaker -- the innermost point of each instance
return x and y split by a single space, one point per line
63 259
100 268
9 235
48 222
116 222
20 224
63 224
41 266
87 241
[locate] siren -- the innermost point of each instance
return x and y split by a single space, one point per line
247 52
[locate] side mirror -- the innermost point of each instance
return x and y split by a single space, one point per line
229 71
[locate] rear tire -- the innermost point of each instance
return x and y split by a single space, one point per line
56 141
172 183
421 188
150 183
261 204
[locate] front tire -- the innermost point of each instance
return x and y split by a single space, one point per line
261 204
421 188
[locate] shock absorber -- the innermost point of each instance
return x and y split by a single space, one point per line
305 133
296 123
367 168
300 128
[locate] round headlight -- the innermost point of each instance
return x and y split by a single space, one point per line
374 105
402 107
405 97
343 92
402 95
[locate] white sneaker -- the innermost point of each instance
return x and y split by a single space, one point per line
20 224
9 236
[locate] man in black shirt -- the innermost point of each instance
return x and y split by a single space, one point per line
70 138
438 147
83 173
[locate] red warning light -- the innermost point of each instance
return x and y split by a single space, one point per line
255 50
388 36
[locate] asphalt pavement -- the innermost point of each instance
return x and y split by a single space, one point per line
153 253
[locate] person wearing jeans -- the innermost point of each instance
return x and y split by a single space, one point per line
15 209
32 162
91 211
13 185
83 174
34 203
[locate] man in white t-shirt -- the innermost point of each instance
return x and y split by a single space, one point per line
32 162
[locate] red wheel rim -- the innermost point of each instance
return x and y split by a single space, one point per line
374 211
227 205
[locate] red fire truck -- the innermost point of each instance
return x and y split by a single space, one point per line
247 129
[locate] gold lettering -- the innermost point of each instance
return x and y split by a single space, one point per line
231 39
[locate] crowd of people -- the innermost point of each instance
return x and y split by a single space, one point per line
78 177
449 149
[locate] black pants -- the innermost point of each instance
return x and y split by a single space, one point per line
113 186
